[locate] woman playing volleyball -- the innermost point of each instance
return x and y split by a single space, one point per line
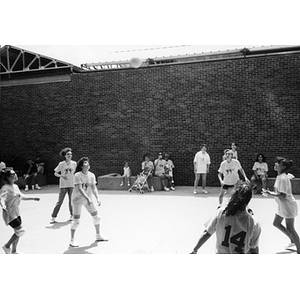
85 194
236 229
10 198
287 206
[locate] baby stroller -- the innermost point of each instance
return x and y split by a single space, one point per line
141 183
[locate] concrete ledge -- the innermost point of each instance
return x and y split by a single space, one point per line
157 183
295 184
113 181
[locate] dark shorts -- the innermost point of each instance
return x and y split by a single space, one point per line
16 222
227 187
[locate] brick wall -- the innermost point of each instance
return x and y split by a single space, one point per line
117 116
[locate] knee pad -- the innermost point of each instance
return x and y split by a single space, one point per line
75 224
20 232
96 220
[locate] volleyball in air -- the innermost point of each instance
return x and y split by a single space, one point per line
135 62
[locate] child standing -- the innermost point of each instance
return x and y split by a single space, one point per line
10 198
169 171
126 174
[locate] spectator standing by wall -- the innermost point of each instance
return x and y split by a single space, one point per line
201 168
169 171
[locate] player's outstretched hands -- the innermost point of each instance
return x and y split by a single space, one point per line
265 193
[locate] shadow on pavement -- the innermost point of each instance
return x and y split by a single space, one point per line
287 252
81 250
58 225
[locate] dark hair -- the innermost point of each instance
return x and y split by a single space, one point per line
263 157
146 155
239 200
80 164
203 145
64 151
6 173
285 162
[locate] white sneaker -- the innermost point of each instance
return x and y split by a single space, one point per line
6 250
38 187
291 246
73 244
122 183
26 188
17 252
172 188
205 191
166 189
152 189
195 192
100 238
53 221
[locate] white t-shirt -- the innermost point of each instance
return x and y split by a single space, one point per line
87 183
147 166
66 170
288 207
126 171
202 160
11 196
159 166
230 171
260 168
234 155
235 234
169 167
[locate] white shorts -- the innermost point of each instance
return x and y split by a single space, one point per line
77 206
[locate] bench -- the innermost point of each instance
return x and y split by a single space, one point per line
113 181
41 179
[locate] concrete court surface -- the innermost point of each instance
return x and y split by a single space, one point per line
152 223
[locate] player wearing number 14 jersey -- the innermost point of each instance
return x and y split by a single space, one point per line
237 231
